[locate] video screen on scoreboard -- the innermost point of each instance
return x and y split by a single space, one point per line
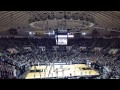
62 40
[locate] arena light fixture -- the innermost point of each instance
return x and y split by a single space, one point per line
30 33
83 33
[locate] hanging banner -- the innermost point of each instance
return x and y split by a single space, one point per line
42 48
28 48
12 50
97 49
113 51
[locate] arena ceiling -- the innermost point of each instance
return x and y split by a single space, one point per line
20 19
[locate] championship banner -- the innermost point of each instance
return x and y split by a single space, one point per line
42 48
97 49
82 48
55 47
1 54
28 48
68 47
113 51
12 50
39 33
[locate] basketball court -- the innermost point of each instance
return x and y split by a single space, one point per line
56 70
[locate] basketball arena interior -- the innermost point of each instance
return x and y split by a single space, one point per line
59 45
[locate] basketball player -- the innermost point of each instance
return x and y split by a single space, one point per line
74 73
89 72
57 72
34 75
63 72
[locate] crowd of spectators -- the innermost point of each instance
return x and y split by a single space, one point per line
24 59
6 71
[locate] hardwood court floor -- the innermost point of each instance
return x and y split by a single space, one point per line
47 71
